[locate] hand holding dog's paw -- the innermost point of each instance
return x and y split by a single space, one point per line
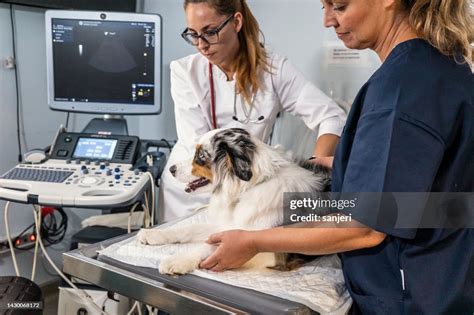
151 237
178 265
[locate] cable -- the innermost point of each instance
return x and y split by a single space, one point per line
150 309
81 293
7 229
51 231
103 303
54 233
129 226
152 190
146 210
135 305
67 120
46 266
16 85
33 269
167 144
145 214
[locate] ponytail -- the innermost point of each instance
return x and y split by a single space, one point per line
448 25
253 56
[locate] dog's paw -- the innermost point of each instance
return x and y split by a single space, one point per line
178 265
152 237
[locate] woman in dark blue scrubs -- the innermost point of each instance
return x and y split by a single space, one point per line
410 129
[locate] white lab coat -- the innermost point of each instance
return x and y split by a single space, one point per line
285 89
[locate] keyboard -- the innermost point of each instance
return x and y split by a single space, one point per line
37 175
74 183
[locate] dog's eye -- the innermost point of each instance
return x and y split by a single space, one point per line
201 156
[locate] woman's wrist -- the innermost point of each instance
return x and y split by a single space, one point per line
253 240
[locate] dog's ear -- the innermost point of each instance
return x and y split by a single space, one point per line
241 165
230 160
234 151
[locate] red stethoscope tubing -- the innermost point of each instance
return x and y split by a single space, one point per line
213 98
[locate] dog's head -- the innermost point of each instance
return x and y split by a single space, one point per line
219 155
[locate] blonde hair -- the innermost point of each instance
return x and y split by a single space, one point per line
252 58
448 25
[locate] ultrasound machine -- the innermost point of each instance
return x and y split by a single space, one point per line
100 63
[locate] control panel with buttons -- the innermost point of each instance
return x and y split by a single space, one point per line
74 183
84 170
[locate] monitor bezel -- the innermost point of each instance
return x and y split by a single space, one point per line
104 108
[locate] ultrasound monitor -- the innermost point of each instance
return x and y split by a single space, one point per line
103 62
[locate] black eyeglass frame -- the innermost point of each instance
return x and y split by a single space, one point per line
209 32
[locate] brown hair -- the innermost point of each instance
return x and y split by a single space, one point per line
252 57
448 25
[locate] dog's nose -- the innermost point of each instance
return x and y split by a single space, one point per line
173 170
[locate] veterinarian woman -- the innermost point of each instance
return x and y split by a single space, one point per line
410 129
234 82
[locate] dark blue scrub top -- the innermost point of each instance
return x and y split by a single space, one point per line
411 129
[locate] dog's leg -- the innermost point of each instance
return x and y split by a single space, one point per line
185 234
185 262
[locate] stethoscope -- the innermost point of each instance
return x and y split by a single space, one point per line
247 113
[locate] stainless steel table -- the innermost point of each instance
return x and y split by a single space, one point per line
186 294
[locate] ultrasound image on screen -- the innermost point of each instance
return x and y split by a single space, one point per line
103 61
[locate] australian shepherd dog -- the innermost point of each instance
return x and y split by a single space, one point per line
247 179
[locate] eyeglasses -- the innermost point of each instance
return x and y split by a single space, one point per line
210 36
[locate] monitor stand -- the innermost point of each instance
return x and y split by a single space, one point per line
108 125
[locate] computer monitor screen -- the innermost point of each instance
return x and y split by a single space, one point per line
101 62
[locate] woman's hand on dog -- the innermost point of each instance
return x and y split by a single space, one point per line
234 248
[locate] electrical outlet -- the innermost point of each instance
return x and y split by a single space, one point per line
9 63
